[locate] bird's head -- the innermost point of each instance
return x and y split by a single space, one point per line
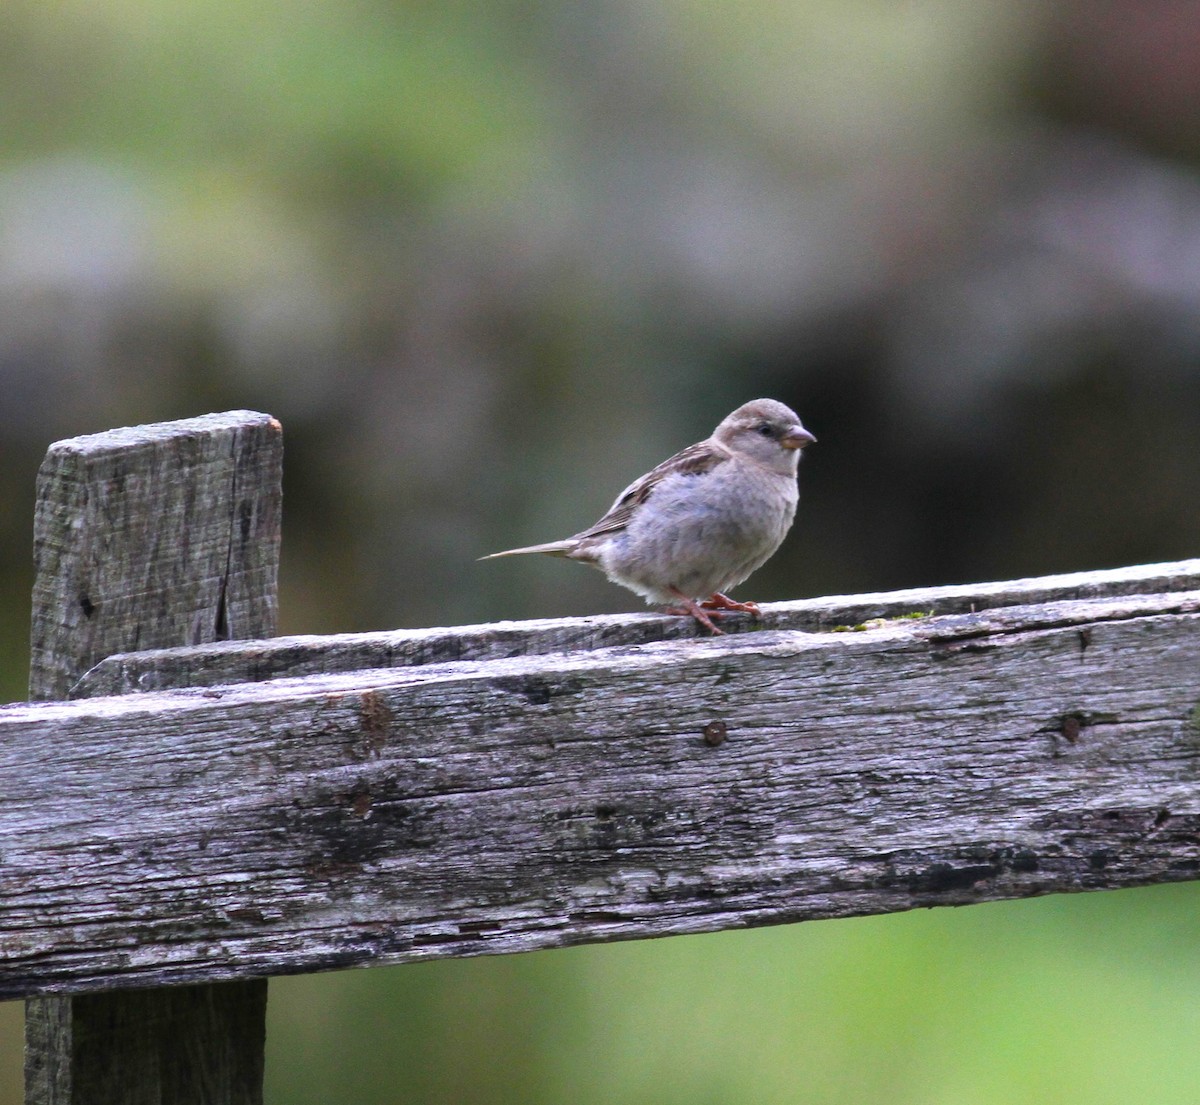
766 432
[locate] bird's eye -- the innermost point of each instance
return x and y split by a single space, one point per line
763 428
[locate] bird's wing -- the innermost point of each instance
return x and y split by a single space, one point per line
695 460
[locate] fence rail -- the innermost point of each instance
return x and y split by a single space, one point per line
497 805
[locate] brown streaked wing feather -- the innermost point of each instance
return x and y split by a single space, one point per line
695 460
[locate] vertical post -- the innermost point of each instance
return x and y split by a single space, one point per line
152 537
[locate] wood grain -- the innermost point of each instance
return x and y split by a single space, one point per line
240 662
506 804
149 536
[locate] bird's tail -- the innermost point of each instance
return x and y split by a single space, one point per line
550 548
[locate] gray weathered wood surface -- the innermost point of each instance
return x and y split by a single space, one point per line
531 801
239 662
150 536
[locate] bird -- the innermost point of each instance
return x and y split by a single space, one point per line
702 521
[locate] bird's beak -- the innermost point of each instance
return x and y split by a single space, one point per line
797 437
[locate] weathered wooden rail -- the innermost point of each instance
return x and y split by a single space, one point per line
229 811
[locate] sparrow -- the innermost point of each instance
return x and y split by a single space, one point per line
702 521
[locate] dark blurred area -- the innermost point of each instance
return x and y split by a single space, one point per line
487 263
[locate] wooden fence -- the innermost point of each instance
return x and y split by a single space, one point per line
189 807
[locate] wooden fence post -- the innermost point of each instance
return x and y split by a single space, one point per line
152 537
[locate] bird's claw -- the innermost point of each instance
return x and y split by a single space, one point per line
718 601
696 610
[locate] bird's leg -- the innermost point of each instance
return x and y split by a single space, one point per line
719 601
692 607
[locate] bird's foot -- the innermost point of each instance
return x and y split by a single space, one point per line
719 601
694 609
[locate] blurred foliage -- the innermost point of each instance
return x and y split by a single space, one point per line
488 263
1058 1001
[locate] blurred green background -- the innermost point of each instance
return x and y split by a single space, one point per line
487 263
